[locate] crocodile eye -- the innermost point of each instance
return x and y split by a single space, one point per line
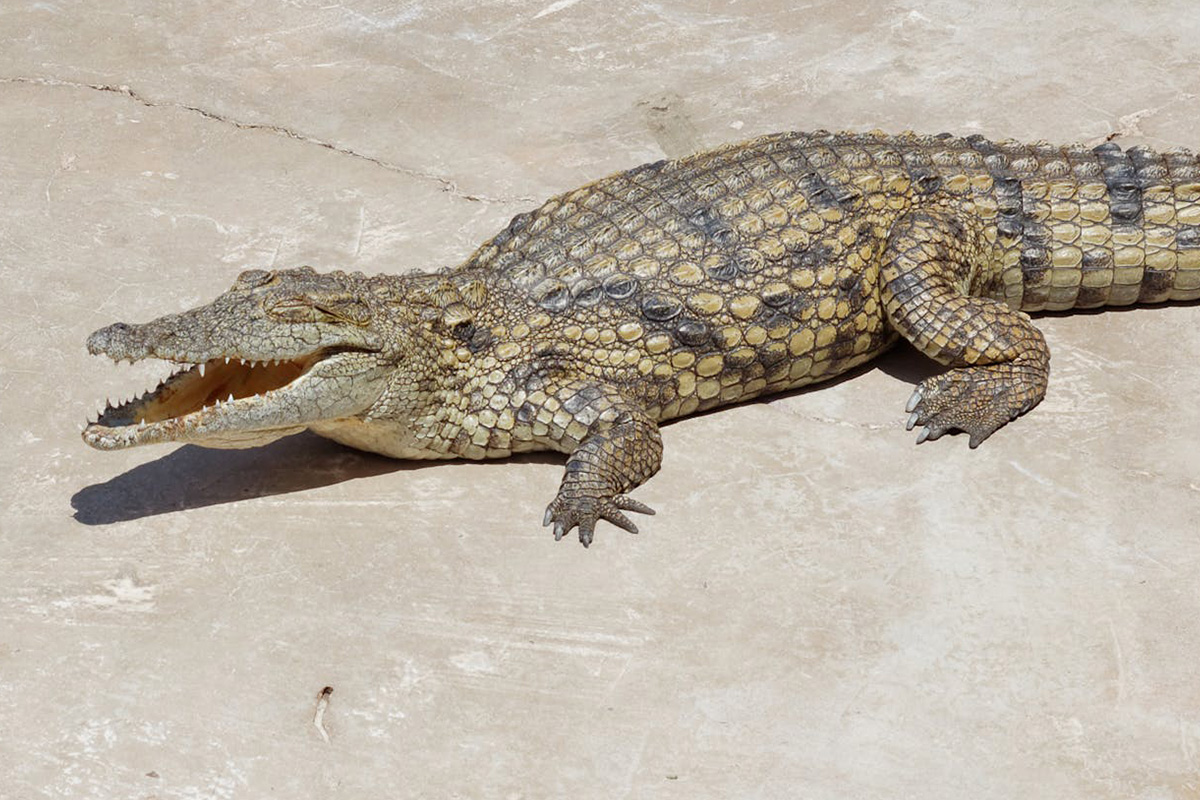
253 278
344 309
301 308
294 309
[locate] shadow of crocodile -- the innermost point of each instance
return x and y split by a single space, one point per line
195 477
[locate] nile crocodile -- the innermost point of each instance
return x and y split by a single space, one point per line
677 287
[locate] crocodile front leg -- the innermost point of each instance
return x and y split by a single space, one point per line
1000 360
613 447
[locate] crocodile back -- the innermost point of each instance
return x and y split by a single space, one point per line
755 267
1070 227
749 268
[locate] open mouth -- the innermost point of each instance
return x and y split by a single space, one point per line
197 396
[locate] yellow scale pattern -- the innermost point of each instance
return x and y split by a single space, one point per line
762 266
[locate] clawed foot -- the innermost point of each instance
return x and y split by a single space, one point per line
977 400
566 513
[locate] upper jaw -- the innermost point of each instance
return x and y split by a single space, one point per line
178 339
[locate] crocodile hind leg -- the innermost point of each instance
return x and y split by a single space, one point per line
613 447
999 361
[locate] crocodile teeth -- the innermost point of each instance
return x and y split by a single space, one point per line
230 399
201 369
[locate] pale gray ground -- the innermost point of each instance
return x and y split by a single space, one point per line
819 610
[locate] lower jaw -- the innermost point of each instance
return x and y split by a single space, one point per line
203 428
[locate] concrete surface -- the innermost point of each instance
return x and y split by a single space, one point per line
820 609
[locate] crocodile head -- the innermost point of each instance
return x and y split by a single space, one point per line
277 352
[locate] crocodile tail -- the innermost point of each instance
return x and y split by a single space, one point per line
1125 231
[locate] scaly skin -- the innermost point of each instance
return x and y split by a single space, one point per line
680 286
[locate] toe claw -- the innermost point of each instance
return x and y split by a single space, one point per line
913 400
912 420
583 512
923 435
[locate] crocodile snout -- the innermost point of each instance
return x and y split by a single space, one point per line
113 340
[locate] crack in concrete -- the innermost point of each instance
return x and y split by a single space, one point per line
448 186
1130 124
842 423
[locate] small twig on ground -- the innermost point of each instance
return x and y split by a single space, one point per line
319 715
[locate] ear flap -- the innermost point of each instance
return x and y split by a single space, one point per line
451 307
448 305
457 316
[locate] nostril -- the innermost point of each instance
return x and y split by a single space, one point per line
105 339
